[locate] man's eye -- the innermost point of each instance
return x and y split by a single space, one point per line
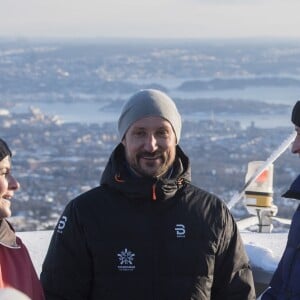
139 133
163 133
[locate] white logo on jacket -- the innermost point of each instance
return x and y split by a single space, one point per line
61 224
126 258
180 230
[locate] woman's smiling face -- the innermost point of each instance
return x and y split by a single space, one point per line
8 185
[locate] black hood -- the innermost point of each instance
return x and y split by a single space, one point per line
117 176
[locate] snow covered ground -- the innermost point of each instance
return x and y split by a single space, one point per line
37 243
264 249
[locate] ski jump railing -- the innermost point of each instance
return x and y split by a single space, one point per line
273 156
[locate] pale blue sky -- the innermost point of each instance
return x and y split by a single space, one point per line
150 18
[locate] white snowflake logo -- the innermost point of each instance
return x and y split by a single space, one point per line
126 257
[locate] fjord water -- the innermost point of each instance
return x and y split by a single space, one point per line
92 111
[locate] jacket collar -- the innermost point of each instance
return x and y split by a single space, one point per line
117 176
7 235
294 190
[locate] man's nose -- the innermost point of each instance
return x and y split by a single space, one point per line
150 143
296 145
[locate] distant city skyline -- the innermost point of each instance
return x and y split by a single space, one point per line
150 19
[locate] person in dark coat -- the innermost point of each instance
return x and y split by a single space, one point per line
285 281
146 232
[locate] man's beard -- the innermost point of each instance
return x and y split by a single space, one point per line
150 168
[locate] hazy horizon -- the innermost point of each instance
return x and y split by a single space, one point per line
174 19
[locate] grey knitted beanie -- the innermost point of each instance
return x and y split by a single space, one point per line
4 150
146 103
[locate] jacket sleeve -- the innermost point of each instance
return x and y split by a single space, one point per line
276 283
66 271
268 294
233 274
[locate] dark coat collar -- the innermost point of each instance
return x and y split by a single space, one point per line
294 190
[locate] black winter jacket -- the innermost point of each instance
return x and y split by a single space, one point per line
285 281
146 239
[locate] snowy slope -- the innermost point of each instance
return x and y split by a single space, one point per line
37 243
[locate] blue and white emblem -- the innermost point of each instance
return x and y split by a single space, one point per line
126 258
180 230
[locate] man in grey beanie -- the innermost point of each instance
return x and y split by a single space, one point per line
146 232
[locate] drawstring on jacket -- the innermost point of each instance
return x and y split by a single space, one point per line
179 182
118 178
154 192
